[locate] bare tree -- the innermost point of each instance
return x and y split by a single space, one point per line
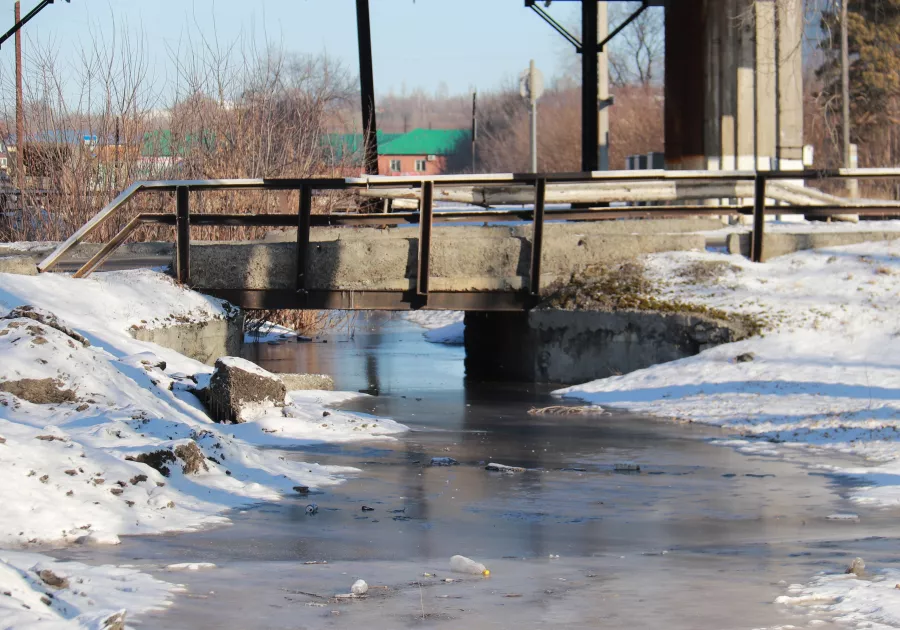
636 54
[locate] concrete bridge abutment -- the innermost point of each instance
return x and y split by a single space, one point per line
558 346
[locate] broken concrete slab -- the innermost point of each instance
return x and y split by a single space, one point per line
298 382
236 383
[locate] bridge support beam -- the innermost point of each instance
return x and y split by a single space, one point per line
734 97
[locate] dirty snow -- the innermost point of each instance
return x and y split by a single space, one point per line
67 457
868 602
91 596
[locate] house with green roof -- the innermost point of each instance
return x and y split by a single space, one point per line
421 151
348 147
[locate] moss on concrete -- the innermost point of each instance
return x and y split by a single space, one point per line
626 287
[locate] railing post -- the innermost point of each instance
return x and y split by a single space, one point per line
537 236
303 222
425 216
759 218
182 235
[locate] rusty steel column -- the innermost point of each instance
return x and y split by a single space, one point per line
589 89
685 84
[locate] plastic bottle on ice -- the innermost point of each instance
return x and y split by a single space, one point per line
461 564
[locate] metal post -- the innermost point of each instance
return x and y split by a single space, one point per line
759 218
20 116
304 212
603 89
425 217
474 127
589 77
537 236
367 87
852 184
532 102
182 235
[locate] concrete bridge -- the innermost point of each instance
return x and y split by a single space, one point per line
471 268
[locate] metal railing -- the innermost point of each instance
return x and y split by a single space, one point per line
425 217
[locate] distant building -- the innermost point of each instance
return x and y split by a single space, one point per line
420 152
347 148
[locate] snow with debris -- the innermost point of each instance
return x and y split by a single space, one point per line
868 602
87 597
77 420
441 326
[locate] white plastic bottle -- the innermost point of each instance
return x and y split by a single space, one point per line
359 588
461 564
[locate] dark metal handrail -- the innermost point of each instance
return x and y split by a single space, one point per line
304 220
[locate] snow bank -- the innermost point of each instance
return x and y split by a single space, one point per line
71 450
442 326
826 376
78 595
107 439
856 602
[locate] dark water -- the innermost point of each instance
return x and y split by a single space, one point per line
702 537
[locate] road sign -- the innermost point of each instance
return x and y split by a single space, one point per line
531 83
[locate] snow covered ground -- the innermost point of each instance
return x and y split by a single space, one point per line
441 326
824 378
77 409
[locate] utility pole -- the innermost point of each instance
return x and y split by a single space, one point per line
603 88
20 114
367 87
531 86
532 101
474 127
852 186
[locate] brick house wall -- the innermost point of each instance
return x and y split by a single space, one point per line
435 166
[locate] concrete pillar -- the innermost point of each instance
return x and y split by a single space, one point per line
603 87
734 94
790 84
727 146
713 118
745 89
765 118
685 84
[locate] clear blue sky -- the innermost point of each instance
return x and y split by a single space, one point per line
421 43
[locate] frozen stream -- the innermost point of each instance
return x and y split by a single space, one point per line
703 537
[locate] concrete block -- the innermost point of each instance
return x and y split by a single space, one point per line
297 382
19 265
777 244
202 341
237 383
